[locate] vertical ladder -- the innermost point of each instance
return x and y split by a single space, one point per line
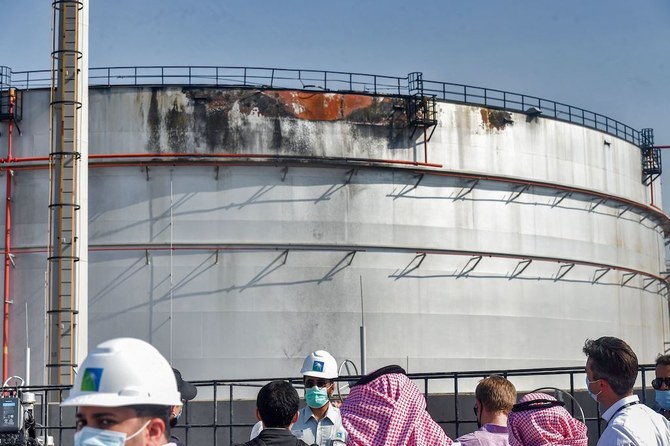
63 203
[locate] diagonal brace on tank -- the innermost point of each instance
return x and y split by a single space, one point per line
624 209
563 270
627 277
520 191
335 187
464 192
595 203
277 263
599 273
520 268
339 266
414 264
407 188
560 197
469 266
648 283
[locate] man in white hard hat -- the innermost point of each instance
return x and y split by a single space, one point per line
125 390
319 422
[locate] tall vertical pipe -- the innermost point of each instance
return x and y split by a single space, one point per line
81 341
8 249
68 175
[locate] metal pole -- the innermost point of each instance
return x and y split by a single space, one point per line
8 245
362 331
27 382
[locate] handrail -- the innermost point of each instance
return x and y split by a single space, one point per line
217 412
517 102
340 81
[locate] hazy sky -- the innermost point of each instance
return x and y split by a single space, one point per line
607 56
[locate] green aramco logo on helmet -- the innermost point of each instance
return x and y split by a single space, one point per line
90 382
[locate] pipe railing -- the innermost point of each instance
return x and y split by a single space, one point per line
505 100
335 81
224 412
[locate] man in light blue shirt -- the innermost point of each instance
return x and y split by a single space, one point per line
319 423
611 370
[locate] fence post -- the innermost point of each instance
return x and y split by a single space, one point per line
644 386
216 411
572 392
230 417
456 414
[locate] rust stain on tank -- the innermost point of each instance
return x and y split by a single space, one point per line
226 117
495 119
354 102
311 106
317 106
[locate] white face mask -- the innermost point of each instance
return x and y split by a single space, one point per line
588 389
90 436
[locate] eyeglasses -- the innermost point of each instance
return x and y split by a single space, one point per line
310 382
658 383
474 409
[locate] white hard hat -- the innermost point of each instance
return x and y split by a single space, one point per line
320 364
124 372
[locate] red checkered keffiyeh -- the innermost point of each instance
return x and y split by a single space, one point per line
548 426
389 411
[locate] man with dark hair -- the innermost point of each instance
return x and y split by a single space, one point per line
495 397
277 407
661 385
611 370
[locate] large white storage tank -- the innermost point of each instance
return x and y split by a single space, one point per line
232 225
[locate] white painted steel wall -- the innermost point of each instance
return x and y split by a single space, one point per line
256 313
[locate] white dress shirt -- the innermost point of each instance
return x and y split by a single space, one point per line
328 431
632 423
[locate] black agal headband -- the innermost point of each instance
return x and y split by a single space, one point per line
536 404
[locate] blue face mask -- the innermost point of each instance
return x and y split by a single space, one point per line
316 397
90 436
663 398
